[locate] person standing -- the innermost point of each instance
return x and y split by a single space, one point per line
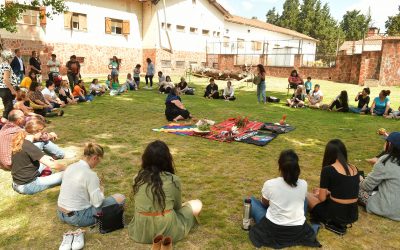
54 66
73 71
17 65
8 80
136 75
261 86
35 64
149 73
114 66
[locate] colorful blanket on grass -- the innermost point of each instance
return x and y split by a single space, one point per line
250 133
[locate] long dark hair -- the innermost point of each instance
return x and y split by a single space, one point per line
155 159
33 86
344 99
294 71
261 68
336 150
289 167
393 154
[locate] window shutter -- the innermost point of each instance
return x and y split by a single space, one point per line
42 16
108 25
68 20
83 22
126 27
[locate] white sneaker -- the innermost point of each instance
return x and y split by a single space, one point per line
79 240
67 241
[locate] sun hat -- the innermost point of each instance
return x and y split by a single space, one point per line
394 138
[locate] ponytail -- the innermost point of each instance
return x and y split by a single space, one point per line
18 141
93 149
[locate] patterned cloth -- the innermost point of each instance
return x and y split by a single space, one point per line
36 95
13 78
6 134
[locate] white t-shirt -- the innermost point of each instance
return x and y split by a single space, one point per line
286 203
54 66
316 96
51 93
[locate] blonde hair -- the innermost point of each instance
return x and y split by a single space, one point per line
92 149
34 126
18 141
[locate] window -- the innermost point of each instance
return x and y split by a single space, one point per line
180 64
75 21
180 28
117 27
240 43
166 63
168 27
193 30
205 32
30 17
255 45
216 34
226 41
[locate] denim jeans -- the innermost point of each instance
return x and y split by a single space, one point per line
355 110
259 210
84 218
50 148
39 184
261 92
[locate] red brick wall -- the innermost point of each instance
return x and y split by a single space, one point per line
390 64
370 66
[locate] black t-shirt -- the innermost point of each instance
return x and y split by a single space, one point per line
35 63
182 85
210 88
362 101
25 164
341 186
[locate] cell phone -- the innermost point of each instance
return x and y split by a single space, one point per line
361 172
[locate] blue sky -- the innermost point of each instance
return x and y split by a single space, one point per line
380 9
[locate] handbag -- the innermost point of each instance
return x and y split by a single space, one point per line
110 218
257 80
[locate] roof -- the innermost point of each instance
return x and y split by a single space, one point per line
371 40
267 26
220 8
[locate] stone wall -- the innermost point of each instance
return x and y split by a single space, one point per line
369 66
390 64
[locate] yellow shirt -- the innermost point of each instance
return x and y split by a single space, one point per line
26 82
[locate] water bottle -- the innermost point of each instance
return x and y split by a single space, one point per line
246 214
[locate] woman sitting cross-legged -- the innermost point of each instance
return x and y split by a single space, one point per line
335 202
381 104
229 92
65 93
315 97
341 102
380 190
280 215
82 192
80 93
40 105
29 163
212 90
157 195
166 86
298 98
174 108
363 100
96 89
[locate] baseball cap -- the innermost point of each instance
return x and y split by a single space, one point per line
394 138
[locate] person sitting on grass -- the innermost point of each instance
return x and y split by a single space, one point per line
341 102
136 75
27 80
379 191
334 203
65 93
40 105
46 140
229 92
96 89
130 82
82 192
294 80
363 100
108 82
298 98
21 104
211 90
166 86
174 108
15 123
381 104
184 87
158 199
315 98
117 89
394 114
80 93
51 95
279 215
29 164
308 85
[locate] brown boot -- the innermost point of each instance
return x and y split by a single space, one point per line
157 242
166 243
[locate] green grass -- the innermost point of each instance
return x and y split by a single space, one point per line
220 174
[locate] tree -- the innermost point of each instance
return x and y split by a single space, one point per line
11 11
290 14
355 25
392 25
272 16
305 22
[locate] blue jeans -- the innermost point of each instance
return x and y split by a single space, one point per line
39 184
258 210
20 76
355 110
261 92
50 148
84 218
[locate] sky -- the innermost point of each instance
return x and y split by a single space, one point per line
380 9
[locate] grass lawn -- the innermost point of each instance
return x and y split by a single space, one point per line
220 174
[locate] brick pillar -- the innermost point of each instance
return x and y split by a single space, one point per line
389 73
298 61
363 70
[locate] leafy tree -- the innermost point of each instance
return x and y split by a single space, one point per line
355 25
272 16
392 25
290 14
305 22
11 11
